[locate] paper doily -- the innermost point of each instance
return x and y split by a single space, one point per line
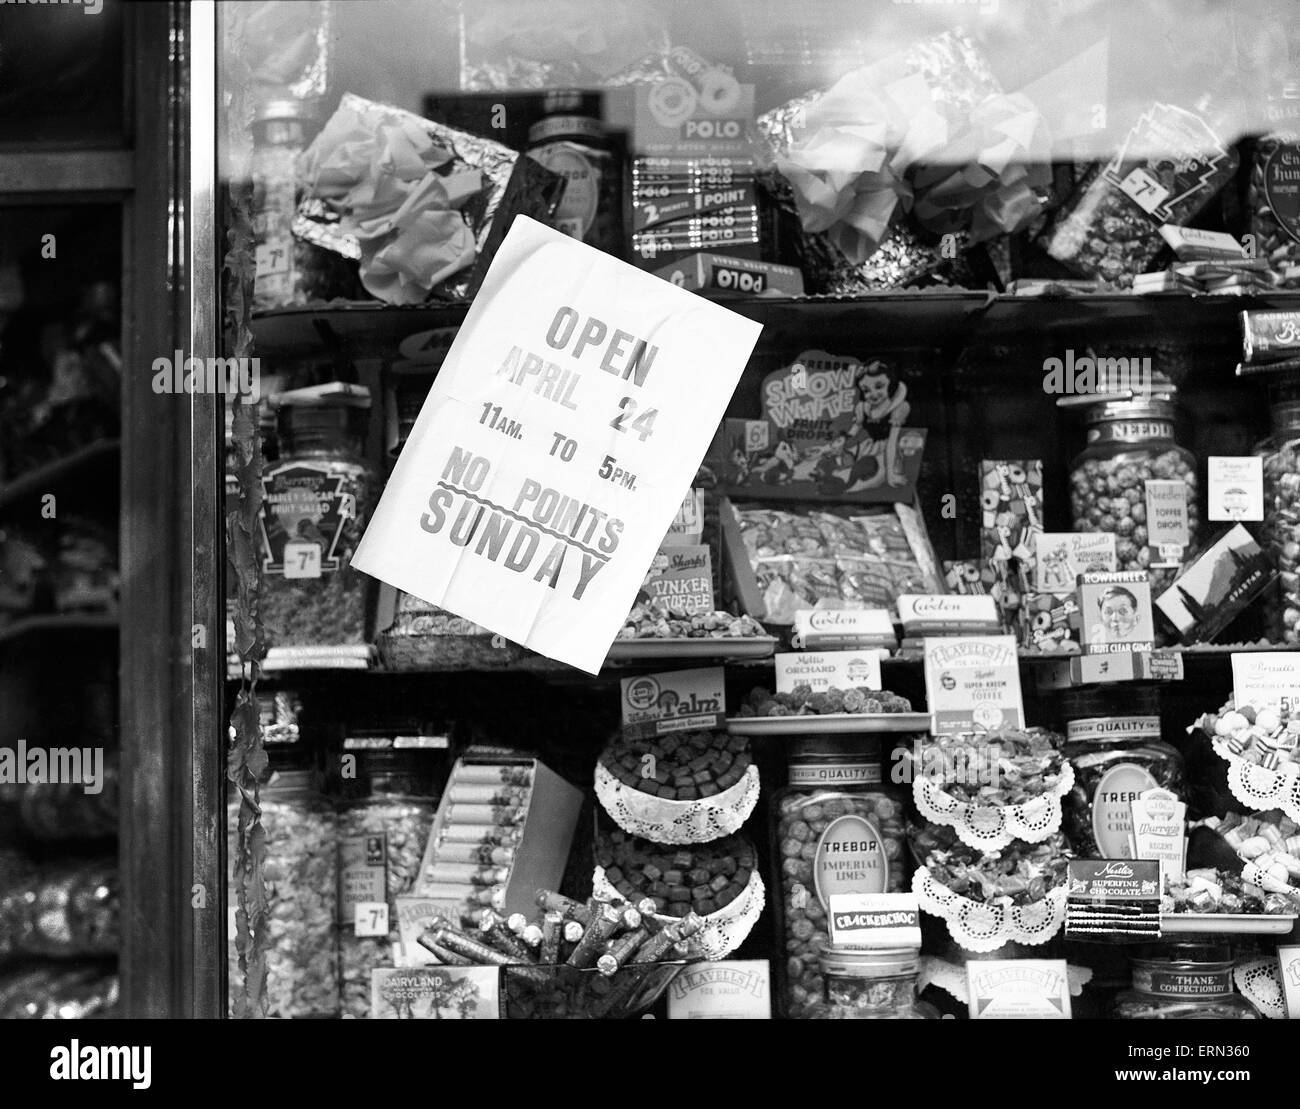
1260 983
993 827
723 931
664 821
1261 789
951 977
978 926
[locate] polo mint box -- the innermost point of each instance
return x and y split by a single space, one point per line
731 275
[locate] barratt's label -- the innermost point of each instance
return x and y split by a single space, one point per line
850 859
304 506
1113 727
1112 808
1267 680
1181 983
682 700
363 873
836 774
824 669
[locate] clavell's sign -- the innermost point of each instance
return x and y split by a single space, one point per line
553 451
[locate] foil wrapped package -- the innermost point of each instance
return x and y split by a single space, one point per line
927 133
411 200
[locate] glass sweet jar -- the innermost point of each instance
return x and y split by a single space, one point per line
837 829
872 984
316 501
1113 744
1183 981
301 872
1133 480
1281 532
383 827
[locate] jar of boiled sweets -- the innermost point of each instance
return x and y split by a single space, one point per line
1135 481
1113 744
1183 981
837 829
1281 532
301 872
571 143
383 826
280 129
316 501
872 984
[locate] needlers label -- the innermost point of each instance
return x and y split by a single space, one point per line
850 858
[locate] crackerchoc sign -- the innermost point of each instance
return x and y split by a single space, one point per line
553 451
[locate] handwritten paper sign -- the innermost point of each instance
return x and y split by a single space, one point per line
555 447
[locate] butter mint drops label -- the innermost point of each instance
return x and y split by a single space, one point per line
553 452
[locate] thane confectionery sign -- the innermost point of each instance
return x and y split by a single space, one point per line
555 447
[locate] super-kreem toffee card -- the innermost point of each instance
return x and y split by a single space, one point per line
555 447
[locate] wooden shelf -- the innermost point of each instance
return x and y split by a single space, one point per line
369 329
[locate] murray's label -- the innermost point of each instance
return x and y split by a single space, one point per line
304 507
1112 808
850 858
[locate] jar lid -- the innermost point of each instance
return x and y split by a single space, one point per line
1183 951
323 417
874 962
1115 699
860 748
1138 408
568 126
280 108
